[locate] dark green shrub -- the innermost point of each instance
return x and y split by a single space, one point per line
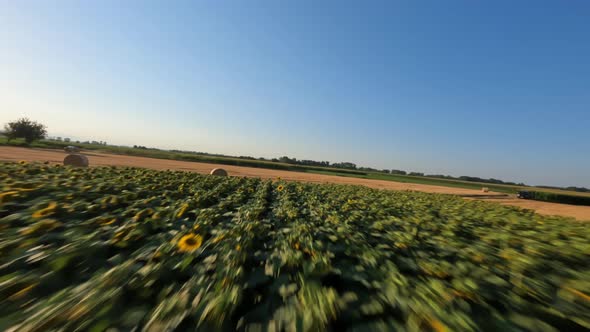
560 198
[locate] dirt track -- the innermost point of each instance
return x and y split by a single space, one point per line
103 159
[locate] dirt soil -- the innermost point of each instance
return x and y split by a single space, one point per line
8 153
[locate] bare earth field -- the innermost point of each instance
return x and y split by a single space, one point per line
103 159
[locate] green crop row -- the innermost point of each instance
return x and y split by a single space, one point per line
559 198
133 249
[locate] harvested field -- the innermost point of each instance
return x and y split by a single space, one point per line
8 153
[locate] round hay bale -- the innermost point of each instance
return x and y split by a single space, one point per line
219 172
77 160
485 189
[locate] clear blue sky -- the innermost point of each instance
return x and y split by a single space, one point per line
493 89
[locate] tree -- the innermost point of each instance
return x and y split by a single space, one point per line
287 160
344 165
25 128
397 171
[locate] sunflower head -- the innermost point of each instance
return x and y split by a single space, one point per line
280 188
7 195
22 162
41 226
143 214
218 238
190 242
107 221
22 293
49 210
182 210
437 325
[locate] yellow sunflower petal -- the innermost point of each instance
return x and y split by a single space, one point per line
190 242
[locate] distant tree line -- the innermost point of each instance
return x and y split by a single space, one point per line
31 131
353 166
397 172
578 189
493 181
69 140
294 161
473 179
346 165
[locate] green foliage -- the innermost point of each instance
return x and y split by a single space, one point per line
560 198
24 128
97 248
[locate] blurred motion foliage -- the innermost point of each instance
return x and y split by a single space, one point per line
134 249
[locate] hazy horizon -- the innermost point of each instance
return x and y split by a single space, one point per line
493 90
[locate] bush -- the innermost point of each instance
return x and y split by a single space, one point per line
25 128
560 198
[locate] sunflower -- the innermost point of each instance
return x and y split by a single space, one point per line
280 188
218 238
21 293
143 214
109 200
157 255
578 293
309 252
401 245
5 196
50 209
42 226
107 221
28 188
22 162
190 242
182 210
437 325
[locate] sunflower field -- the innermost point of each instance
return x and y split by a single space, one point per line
129 249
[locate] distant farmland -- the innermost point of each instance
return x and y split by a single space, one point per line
225 160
